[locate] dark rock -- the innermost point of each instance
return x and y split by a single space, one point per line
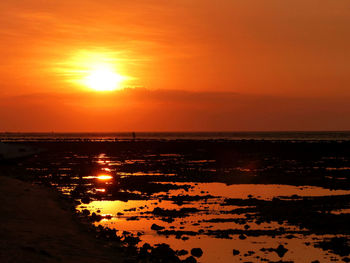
157 227
164 253
190 260
197 252
338 245
241 236
86 200
95 218
235 252
182 252
281 250
86 212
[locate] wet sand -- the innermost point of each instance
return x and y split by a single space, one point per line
37 225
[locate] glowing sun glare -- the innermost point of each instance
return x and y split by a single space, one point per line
95 70
103 79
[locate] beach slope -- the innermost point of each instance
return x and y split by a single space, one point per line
36 225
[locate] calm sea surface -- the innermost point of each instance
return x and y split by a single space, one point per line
317 135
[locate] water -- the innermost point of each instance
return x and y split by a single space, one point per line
299 135
247 196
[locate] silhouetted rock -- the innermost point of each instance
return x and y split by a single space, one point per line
86 212
281 250
196 252
241 236
338 245
164 253
182 252
157 227
235 252
95 218
190 259
85 200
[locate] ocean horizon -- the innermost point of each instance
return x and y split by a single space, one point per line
114 136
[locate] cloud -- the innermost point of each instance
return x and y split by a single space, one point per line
170 110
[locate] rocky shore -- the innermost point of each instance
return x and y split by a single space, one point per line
37 225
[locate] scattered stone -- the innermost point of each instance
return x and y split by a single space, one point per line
95 218
164 253
338 245
86 200
86 212
182 252
242 237
190 259
157 227
197 252
235 252
281 250
132 218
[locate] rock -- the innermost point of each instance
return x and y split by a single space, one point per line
164 253
197 252
235 252
157 227
281 250
241 236
190 259
86 212
182 252
95 218
146 246
85 200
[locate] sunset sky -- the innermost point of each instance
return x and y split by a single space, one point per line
176 65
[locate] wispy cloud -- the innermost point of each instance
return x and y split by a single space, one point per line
169 110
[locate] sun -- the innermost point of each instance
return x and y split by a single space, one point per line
99 70
103 78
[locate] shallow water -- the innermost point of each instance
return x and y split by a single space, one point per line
251 203
136 216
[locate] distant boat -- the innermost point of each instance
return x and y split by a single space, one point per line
15 151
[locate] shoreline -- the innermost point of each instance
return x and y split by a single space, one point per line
38 225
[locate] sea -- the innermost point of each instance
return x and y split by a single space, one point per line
116 136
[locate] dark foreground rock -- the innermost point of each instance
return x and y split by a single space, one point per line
37 225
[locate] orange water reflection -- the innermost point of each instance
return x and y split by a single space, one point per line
101 177
121 219
137 216
104 177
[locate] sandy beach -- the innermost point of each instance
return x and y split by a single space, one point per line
37 225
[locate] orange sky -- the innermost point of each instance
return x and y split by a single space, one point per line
188 65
